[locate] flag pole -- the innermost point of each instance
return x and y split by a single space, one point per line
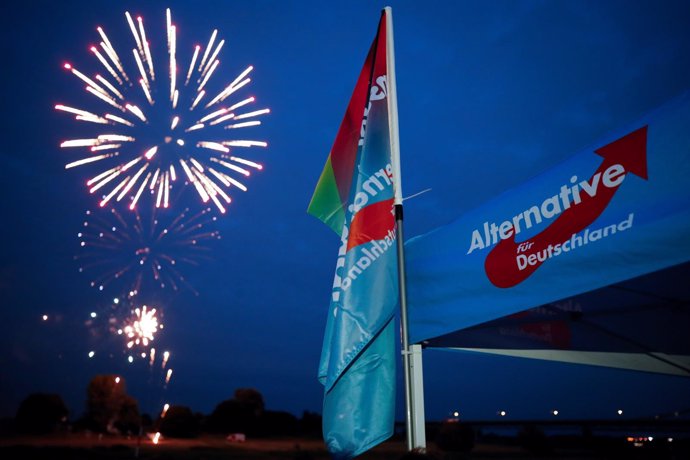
412 357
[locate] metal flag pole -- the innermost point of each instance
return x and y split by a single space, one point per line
412 356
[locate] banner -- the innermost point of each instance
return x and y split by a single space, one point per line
355 197
617 210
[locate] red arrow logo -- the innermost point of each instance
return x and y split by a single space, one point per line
625 155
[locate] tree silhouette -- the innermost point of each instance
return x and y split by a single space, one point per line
108 406
40 413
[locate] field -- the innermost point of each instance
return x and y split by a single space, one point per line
92 446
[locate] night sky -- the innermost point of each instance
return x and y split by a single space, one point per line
489 94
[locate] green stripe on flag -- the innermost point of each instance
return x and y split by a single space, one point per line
325 204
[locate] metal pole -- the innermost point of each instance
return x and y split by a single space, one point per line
414 422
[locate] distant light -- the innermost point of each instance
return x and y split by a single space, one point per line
45 317
502 413
91 354
456 414
650 438
620 411
670 439
555 412
130 359
93 314
116 301
117 379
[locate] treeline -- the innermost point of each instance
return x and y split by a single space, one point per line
110 410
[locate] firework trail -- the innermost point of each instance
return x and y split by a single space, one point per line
136 249
166 127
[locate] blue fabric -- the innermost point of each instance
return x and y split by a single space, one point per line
646 212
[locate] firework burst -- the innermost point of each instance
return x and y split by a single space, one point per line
136 250
141 327
168 127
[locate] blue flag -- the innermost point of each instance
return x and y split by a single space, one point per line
357 365
610 213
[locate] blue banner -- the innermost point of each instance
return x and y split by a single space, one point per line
358 358
617 210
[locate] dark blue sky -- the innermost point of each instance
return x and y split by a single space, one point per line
490 94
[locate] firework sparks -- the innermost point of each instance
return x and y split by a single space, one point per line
142 327
156 133
137 250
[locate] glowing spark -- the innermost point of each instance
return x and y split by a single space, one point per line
166 356
107 66
239 143
132 182
191 64
174 123
147 51
213 146
156 437
118 120
166 196
141 189
101 147
113 192
168 375
140 65
173 60
92 354
231 166
109 85
201 94
195 127
212 115
208 48
146 91
227 180
152 355
252 114
246 124
165 409
68 109
247 162
79 143
104 97
232 87
112 54
87 160
223 118
242 103
154 179
115 137
134 32
208 75
151 152
136 111
212 58
45 317
176 96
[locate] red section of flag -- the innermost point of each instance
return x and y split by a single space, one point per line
344 150
371 223
630 151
